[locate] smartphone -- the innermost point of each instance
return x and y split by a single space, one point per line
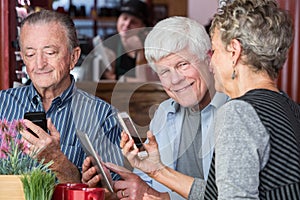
38 118
129 128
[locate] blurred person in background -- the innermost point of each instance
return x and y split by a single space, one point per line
126 47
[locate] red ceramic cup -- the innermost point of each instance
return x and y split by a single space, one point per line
61 190
86 194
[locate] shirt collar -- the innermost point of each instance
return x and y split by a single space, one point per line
175 106
219 99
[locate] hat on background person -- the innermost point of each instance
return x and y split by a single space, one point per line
136 8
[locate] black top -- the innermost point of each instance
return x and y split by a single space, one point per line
124 63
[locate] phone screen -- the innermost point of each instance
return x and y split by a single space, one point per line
38 118
133 132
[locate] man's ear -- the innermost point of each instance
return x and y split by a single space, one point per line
74 57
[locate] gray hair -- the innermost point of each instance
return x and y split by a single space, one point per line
264 31
47 16
174 34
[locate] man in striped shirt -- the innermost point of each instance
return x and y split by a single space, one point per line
50 49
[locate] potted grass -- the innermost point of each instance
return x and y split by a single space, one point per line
21 175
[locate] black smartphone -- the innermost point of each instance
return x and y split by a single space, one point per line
38 118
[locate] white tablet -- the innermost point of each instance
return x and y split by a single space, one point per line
96 160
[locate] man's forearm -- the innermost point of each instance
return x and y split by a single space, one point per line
65 170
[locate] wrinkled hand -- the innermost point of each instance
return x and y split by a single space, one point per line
131 186
150 164
93 179
46 146
89 173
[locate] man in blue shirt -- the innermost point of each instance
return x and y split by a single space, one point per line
50 50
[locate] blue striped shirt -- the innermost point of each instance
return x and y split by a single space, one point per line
73 110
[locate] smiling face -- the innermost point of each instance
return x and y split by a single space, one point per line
128 22
182 79
44 49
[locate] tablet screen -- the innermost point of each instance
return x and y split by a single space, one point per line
90 151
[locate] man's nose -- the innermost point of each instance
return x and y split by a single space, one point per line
176 76
40 60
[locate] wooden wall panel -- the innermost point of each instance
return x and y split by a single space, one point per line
4 43
178 7
289 79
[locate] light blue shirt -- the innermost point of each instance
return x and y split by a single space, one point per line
72 110
166 126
